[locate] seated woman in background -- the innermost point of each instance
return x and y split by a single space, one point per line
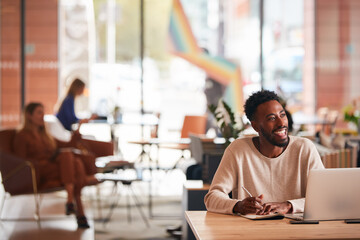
66 111
53 159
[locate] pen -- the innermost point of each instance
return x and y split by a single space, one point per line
246 191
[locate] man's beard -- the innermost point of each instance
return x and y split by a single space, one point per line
272 140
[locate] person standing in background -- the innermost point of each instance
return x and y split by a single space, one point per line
66 112
213 91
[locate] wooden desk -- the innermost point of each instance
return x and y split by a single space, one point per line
206 225
194 192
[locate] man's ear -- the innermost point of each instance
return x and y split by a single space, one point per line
254 126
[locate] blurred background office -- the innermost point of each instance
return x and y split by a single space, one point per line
141 57
306 50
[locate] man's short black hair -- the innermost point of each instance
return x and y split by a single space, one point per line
256 99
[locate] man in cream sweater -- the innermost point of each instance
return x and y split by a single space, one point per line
273 167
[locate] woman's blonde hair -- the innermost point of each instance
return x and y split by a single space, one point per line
75 86
29 110
72 90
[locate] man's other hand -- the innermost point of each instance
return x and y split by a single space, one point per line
275 207
249 205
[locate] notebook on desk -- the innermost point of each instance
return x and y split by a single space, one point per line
331 194
271 216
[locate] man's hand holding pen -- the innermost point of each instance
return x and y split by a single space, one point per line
249 205
254 205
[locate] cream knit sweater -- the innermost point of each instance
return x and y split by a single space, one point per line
279 179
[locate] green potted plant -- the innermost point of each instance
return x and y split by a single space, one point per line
230 125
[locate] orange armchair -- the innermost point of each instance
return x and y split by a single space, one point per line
11 167
19 176
191 125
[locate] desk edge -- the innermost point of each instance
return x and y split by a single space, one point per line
191 225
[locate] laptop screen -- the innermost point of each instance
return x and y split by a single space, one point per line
333 194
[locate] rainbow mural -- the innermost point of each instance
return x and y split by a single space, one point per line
184 45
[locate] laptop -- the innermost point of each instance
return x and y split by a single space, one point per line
331 194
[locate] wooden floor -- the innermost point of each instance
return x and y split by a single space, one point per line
56 225
18 221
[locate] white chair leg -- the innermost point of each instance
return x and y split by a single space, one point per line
37 198
2 204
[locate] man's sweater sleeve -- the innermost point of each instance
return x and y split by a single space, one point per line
298 205
224 181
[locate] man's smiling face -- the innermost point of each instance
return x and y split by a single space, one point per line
271 123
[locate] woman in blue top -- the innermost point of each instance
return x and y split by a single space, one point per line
66 113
